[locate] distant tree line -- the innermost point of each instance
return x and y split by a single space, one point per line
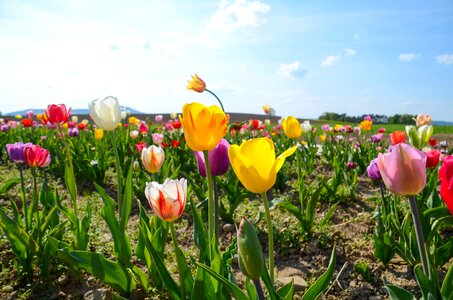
379 119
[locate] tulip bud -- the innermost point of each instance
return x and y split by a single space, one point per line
267 122
196 84
218 159
373 170
133 134
98 134
5 127
306 127
75 119
159 118
397 137
292 127
153 158
419 138
106 113
251 261
136 166
432 158
173 115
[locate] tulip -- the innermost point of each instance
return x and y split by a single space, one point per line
18 117
347 128
106 113
255 164
326 128
134 134
351 165
432 158
422 120
57 114
381 130
204 127
30 114
446 181
153 158
322 137
27 122
16 151
373 170
306 127
75 119
419 138
173 115
432 142
39 117
218 159
267 122
99 134
5 127
143 128
366 125
168 199
175 143
250 254
357 130
338 128
376 138
35 156
157 138
291 127
140 146
398 137
176 124
73 132
159 118
267 109
368 118
403 169
196 84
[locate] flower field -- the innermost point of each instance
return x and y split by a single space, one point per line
198 207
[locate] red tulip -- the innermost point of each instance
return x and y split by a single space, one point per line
433 142
446 181
381 130
36 156
140 146
176 124
57 113
432 158
175 143
27 122
398 137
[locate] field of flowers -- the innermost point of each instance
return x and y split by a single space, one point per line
196 207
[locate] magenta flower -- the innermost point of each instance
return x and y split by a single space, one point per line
157 138
5 127
373 170
159 118
218 159
16 151
377 138
403 169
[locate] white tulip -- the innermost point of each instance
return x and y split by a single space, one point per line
306 127
106 113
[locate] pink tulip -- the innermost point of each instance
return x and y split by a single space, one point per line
159 118
403 169
157 138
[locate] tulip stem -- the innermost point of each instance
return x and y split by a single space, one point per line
211 222
384 204
176 249
220 102
216 209
270 236
24 201
71 167
118 172
419 233
300 184
259 289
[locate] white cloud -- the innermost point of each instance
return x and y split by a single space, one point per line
291 70
445 59
350 52
330 60
407 57
240 13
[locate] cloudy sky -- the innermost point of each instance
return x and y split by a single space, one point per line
301 57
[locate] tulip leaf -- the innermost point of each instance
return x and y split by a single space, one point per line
273 295
8 185
70 182
447 285
127 201
398 293
286 291
444 252
321 284
251 291
328 215
233 289
109 272
200 235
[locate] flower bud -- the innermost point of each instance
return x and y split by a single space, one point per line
153 158
251 261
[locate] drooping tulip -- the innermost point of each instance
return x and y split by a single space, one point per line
16 151
153 158
432 158
446 181
106 113
196 84
292 127
204 126
373 170
397 137
267 109
403 169
255 164
35 156
168 199
218 159
250 254
57 114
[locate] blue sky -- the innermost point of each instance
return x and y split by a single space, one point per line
301 57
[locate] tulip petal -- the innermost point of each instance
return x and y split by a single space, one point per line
281 158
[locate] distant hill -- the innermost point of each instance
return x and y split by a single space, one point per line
442 123
76 111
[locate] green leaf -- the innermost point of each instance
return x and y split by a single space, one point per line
200 235
328 215
447 285
321 284
109 272
291 208
127 201
398 293
234 290
70 182
9 184
251 291
286 291
270 286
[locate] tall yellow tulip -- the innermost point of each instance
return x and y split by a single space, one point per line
203 126
292 127
255 164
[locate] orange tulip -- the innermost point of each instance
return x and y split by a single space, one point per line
196 84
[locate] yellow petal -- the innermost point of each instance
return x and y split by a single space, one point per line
281 158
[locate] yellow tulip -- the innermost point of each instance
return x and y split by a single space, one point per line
322 137
18 117
255 164
99 134
366 125
292 127
134 121
196 84
203 126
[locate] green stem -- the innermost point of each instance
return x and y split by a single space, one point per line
259 289
118 173
300 182
176 249
24 201
419 233
216 209
220 102
270 236
211 222
69 157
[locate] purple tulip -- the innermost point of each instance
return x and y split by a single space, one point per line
218 159
5 127
73 132
16 151
373 170
376 138
351 165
